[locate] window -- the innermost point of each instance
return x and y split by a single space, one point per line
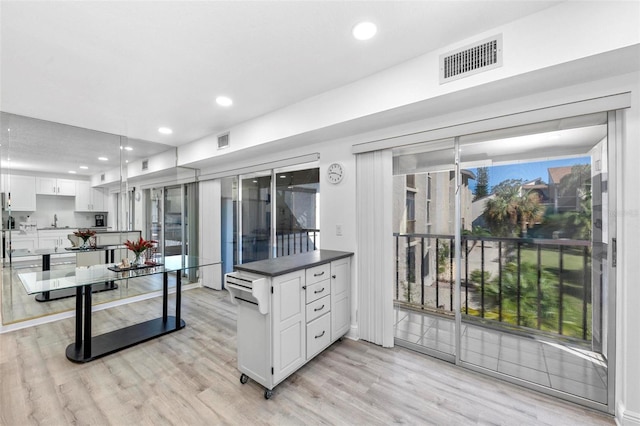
411 212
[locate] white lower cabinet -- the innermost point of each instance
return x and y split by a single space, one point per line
288 324
307 310
55 239
340 297
19 242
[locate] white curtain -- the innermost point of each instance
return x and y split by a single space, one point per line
375 246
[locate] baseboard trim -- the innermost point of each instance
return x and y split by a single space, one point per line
625 417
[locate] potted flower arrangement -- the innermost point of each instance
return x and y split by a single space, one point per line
84 235
139 247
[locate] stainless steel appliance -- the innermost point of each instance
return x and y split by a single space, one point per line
99 220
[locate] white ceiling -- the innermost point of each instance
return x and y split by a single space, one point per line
129 67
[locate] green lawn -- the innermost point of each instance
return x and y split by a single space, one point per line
573 275
550 259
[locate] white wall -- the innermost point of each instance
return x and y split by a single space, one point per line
567 32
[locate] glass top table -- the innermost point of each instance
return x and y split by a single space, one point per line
87 347
59 290
71 277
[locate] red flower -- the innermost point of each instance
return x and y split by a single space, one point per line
139 246
86 234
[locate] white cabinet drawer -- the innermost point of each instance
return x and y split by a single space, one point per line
318 308
318 290
318 273
318 335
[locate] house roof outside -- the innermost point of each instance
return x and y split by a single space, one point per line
557 173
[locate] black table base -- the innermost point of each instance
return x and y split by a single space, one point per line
47 296
123 338
87 348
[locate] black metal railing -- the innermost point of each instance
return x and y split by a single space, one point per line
542 284
296 241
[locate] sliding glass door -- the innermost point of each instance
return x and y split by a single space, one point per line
297 211
536 255
268 214
256 216
502 262
424 188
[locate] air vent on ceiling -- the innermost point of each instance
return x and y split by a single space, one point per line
145 164
469 60
102 177
223 141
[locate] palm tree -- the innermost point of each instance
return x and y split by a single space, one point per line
530 210
500 212
511 209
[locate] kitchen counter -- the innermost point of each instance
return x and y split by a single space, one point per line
284 265
57 228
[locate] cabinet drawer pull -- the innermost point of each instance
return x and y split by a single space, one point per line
319 291
319 275
320 335
318 309
333 276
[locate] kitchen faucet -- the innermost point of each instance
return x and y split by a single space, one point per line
55 221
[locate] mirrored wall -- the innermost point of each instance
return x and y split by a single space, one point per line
57 179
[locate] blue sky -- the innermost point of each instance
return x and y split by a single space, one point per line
526 171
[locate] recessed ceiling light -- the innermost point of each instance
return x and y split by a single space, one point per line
73 172
364 30
128 148
165 130
224 101
84 167
103 159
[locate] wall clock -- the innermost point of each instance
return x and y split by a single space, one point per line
335 173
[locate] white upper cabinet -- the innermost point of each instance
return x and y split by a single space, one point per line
89 199
23 193
53 186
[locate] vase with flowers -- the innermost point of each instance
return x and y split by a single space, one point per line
138 248
84 235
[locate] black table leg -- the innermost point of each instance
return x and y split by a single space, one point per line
178 297
165 295
87 321
78 318
46 266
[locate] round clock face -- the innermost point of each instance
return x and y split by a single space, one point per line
335 173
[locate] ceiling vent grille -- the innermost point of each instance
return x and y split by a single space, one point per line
103 177
223 141
145 164
472 59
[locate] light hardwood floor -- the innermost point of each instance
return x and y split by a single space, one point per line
190 378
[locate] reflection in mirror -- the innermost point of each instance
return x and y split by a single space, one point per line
57 179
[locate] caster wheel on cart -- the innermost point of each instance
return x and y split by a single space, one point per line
268 393
244 378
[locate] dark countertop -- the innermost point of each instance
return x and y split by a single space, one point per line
284 265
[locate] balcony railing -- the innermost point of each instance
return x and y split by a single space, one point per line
538 284
296 241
